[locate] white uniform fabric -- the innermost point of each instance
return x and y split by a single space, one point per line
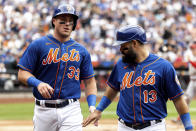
191 89
161 126
68 118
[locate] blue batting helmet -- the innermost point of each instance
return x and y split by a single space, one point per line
66 9
129 33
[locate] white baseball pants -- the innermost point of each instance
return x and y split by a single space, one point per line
191 89
68 118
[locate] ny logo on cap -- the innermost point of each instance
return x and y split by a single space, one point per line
68 8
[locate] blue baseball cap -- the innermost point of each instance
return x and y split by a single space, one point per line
129 33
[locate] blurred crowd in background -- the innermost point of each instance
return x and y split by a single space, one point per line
170 26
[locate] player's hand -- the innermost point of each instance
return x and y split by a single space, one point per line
91 110
95 116
45 90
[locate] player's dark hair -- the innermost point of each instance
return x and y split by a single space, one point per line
138 42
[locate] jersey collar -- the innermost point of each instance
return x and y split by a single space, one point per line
50 36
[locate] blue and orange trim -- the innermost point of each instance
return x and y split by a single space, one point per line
24 68
141 89
58 63
64 70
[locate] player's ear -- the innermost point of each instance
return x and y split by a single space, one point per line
53 20
134 43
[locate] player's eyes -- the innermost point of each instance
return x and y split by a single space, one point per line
61 22
66 22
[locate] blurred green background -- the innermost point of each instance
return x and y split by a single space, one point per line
24 111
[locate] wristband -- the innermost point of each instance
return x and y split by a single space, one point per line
186 120
91 99
32 81
104 103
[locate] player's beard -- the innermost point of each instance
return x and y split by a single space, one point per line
130 57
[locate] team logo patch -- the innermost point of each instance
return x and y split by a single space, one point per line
149 79
177 81
52 56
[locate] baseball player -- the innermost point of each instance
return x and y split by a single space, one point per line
145 82
54 65
191 89
190 57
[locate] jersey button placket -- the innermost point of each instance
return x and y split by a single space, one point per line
62 64
61 71
137 93
137 105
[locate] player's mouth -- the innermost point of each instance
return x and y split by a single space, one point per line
66 30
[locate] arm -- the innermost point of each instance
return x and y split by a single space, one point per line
91 87
23 76
110 93
183 111
108 97
91 93
29 79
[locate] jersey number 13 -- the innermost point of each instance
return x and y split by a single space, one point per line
150 96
